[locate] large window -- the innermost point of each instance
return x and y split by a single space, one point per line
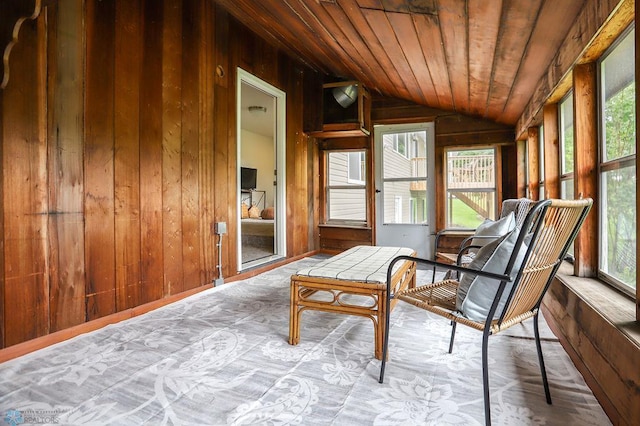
617 166
471 187
566 147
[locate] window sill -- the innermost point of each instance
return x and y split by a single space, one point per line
345 226
615 307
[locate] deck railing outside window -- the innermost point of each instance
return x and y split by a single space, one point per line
471 187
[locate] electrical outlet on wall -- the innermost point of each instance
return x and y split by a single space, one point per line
220 228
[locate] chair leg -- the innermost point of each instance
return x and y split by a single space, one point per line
453 335
543 371
485 378
385 345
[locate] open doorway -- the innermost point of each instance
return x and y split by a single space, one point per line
261 154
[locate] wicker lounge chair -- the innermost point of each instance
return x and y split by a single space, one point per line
492 296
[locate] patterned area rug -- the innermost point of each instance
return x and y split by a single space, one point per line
221 357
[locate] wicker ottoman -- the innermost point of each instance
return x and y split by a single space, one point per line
359 271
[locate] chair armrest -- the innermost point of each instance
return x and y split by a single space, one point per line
491 275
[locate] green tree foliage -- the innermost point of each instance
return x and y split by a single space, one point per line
620 134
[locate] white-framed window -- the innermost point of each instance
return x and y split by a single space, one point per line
617 196
566 147
346 200
471 187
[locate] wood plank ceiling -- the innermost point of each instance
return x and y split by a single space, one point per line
478 57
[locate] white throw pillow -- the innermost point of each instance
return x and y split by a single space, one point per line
475 294
493 228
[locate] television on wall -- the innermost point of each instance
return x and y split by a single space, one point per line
248 178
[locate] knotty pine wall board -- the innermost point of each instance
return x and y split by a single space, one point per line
119 152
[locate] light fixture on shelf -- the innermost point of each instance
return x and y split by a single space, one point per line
346 95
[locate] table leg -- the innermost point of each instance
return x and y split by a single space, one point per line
294 323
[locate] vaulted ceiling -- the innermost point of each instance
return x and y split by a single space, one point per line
478 57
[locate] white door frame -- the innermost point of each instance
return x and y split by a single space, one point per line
280 162
420 237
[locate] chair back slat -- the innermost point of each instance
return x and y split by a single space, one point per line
558 225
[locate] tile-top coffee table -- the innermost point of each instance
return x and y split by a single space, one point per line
360 271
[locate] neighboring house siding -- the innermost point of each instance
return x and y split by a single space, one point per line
344 204
396 165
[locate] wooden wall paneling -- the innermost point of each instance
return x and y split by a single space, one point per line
353 32
610 356
533 147
384 31
2 233
243 53
266 63
512 38
25 189
500 178
509 169
452 123
431 41
225 142
172 147
479 137
361 142
191 16
355 15
206 175
586 165
483 29
521 168
299 197
394 111
407 33
372 194
312 107
334 239
313 195
268 25
98 160
453 23
296 168
441 194
344 56
551 151
556 15
130 23
370 4
151 258
65 161
334 35
323 179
